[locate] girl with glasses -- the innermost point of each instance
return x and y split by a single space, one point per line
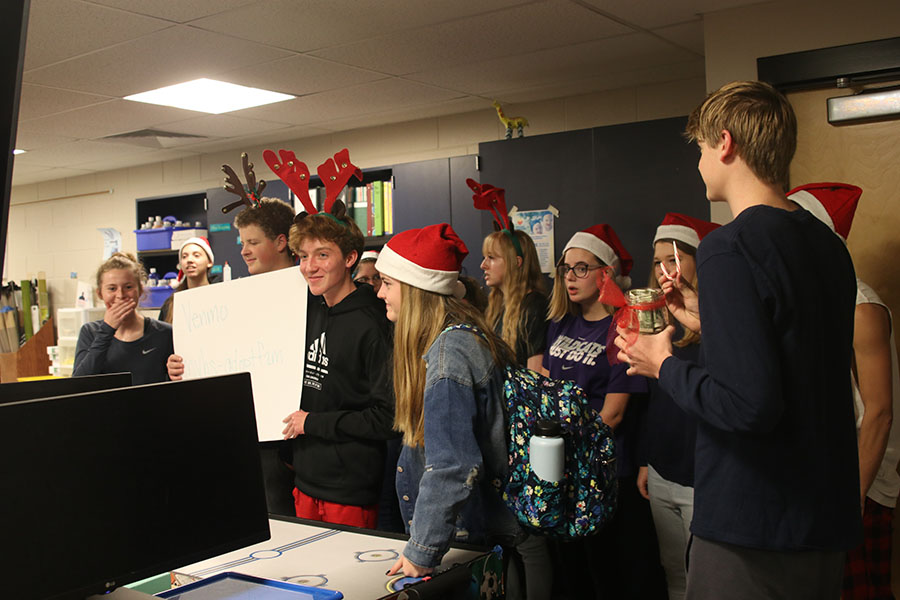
621 561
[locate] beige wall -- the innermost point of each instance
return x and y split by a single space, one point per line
734 39
60 237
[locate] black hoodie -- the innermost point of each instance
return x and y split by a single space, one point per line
349 397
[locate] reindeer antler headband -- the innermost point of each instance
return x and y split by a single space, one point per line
488 197
250 195
334 173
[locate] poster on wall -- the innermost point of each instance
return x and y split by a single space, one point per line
255 324
539 224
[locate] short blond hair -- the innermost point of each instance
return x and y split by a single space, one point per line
761 122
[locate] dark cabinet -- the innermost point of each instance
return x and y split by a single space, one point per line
626 175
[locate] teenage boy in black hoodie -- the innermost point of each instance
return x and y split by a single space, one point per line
347 409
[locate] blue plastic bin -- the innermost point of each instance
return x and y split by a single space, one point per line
155 239
155 296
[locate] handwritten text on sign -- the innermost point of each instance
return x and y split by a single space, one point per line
255 324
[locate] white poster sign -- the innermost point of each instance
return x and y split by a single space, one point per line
539 224
255 324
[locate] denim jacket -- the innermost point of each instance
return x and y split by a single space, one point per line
450 489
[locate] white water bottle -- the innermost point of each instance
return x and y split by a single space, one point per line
153 278
547 450
226 272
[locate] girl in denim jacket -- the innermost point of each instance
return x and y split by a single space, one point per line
448 389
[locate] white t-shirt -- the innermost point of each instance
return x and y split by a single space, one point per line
886 486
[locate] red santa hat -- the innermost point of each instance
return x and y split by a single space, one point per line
683 228
429 258
369 255
199 241
602 241
832 203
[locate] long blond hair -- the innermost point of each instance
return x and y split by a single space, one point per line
688 337
507 299
423 316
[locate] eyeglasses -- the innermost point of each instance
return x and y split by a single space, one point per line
581 269
366 279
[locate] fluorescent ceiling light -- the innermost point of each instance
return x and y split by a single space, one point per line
209 96
874 104
18 151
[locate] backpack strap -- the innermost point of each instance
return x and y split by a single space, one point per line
466 327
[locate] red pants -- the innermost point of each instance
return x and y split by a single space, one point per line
867 573
313 509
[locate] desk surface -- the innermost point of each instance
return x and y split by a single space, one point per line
351 562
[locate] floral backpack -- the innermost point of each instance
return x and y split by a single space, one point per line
584 500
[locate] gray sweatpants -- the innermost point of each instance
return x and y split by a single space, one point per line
718 571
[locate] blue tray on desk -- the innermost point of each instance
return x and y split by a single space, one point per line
237 586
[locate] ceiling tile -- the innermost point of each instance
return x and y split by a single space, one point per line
221 126
248 143
308 25
612 81
559 65
455 106
687 35
179 11
38 101
34 140
300 75
649 14
109 118
163 58
509 32
78 153
61 29
355 101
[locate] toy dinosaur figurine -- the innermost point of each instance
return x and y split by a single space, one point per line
517 123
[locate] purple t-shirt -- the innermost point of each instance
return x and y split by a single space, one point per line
576 351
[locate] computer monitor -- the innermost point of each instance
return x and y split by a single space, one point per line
63 386
105 488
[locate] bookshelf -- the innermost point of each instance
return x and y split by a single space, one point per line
369 202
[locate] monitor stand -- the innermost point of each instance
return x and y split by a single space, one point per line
122 593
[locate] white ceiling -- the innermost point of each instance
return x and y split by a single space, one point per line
348 61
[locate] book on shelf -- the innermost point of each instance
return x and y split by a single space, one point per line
377 208
388 208
360 209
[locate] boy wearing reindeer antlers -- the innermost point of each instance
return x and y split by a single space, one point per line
347 411
776 500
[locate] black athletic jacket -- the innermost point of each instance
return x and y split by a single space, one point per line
347 391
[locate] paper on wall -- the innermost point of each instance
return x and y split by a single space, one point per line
539 224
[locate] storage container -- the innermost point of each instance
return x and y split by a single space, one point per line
155 239
155 296
70 320
182 234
